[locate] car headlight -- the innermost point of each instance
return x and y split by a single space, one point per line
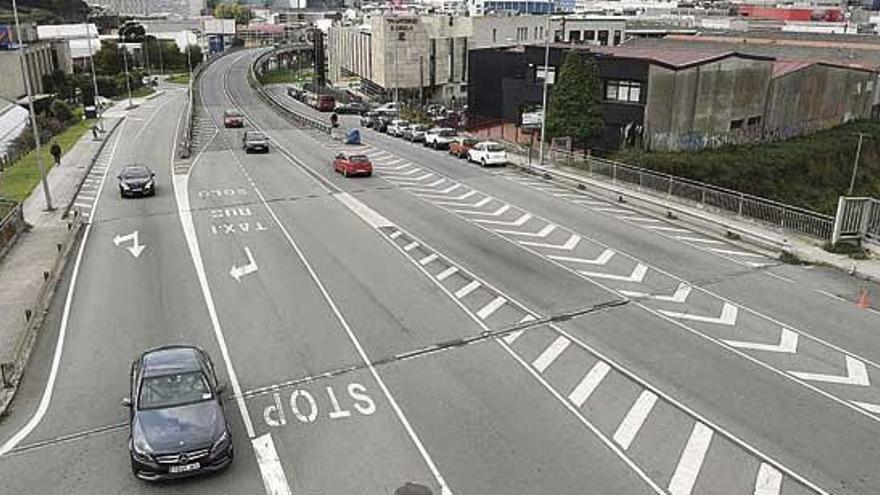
221 443
141 451
124 186
148 185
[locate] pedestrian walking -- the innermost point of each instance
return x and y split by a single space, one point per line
55 150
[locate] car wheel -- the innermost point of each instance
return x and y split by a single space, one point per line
369 174
345 172
483 163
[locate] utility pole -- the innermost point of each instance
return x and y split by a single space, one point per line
852 180
98 108
30 94
547 36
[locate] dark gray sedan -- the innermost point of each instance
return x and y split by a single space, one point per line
177 424
136 180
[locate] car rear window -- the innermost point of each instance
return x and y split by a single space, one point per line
174 389
494 148
135 173
358 158
470 142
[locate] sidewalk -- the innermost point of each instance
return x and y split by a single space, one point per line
774 241
38 251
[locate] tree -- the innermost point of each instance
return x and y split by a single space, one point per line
108 59
575 108
194 54
240 13
61 111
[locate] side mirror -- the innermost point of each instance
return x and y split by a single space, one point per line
152 174
125 402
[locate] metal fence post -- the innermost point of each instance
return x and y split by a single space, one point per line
669 190
640 181
742 199
614 173
838 220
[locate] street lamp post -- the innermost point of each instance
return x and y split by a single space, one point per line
98 108
30 96
125 63
852 180
547 35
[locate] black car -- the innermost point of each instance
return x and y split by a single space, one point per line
177 424
352 108
381 124
136 180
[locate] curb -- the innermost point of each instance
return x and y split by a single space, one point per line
89 168
12 372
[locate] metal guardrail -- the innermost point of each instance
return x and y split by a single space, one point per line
857 219
287 112
704 196
92 161
185 140
11 223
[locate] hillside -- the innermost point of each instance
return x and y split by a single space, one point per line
810 171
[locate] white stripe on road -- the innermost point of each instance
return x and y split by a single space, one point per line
467 289
691 461
588 384
634 419
697 239
665 229
395 234
427 259
446 273
411 246
368 215
733 252
487 310
551 353
274 479
768 481
512 336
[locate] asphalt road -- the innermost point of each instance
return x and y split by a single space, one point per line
368 328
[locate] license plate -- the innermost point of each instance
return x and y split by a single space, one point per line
185 468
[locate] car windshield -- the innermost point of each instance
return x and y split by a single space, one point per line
359 158
447 133
494 147
172 390
469 142
256 135
136 173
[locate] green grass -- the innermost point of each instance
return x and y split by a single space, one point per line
135 93
179 78
280 76
809 171
20 178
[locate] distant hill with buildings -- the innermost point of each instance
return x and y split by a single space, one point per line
45 11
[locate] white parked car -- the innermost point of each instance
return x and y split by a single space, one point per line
488 153
440 137
391 107
397 126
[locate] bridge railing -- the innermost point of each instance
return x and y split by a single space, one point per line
186 132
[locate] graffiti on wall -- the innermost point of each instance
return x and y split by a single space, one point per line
694 141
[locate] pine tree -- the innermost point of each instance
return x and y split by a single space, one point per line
575 108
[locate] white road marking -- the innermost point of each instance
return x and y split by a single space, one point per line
479 204
568 245
788 342
665 229
467 289
436 192
543 233
497 213
46 398
697 239
682 482
637 275
856 374
679 296
368 215
612 210
446 273
550 354
602 259
274 479
512 336
411 246
427 259
411 179
736 253
423 186
395 234
457 198
634 419
873 408
728 315
487 310
768 481
82 205
640 219
519 222
250 267
583 390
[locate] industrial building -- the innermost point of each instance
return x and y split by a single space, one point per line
666 99
40 57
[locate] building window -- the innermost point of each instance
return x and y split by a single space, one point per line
628 91
603 38
494 35
616 37
736 124
536 33
754 121
589 35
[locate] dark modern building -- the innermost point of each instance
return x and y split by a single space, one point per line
679 99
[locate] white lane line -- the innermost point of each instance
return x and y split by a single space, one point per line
467 289
487 310
46 398
411 246
697 239
665 229
640 219
550 354
613 210
512 336
82 205
395 234
583 390
634 419
427 259
691 461
446 273
736 253
768 481
274 479
367 214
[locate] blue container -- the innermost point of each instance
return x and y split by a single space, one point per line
353 137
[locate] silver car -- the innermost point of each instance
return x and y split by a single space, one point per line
255 141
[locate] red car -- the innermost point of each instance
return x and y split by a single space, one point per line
325 103
352 165
233 118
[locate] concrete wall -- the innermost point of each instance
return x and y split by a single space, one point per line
819 96
38 58
694 107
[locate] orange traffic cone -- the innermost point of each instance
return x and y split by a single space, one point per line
863 301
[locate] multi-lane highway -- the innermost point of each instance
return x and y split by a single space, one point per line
476 331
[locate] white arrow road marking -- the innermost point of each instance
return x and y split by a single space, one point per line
270 466
679 296
856 374
788 342
497 213
637 275
769 480
728 315
540 234
568 245
519 222
136 248
874 408
240 271
602 259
